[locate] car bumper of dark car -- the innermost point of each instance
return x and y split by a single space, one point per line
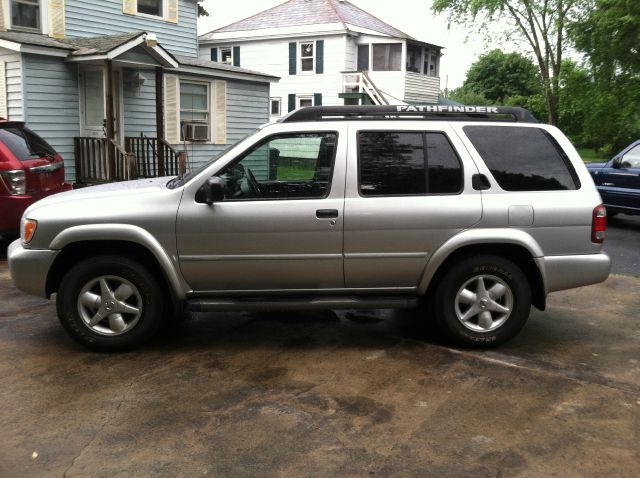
29 268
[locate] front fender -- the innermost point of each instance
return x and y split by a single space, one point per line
475 237
130 233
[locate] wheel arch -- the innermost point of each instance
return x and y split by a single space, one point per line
79 242
522 252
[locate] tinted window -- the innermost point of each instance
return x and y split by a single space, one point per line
283 167
407 164
523 159
25 144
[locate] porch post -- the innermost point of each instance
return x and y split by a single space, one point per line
111 152
160 119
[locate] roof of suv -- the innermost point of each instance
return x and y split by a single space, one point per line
408 112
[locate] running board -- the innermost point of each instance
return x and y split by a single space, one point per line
302 303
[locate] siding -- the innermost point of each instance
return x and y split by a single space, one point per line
86 18
272 57
422 88
51 103
139 106
15 106
247 108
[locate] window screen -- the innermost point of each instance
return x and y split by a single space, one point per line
523 159
407 164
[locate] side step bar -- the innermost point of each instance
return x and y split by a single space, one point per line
302 303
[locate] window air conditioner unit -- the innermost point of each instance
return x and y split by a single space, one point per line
196 131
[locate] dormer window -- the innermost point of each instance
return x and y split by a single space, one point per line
25 14
150 7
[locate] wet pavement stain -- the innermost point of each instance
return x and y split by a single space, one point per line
322 394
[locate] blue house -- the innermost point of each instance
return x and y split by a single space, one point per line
117 88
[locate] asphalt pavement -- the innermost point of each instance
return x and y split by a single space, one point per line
623 244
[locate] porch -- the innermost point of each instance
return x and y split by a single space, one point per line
99 160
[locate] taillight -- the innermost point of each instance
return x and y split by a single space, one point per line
599 224
15 181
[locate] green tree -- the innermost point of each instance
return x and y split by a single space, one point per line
542 24
610 36
497 76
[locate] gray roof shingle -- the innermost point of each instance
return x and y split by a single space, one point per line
102 44
211 65
35 39
311 12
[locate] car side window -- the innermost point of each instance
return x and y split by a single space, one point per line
631 158
523 159
287 166
407 164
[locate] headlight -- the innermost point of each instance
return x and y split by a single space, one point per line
28 230
15 181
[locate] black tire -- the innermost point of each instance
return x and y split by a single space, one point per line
147 297
462 279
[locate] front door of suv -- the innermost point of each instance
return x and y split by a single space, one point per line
280 225
408 191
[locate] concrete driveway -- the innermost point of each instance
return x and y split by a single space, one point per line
324 394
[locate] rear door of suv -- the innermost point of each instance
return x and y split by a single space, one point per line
408 191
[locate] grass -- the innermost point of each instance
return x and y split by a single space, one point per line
590 156
293 173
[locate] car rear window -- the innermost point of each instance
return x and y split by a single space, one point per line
24 143
407 164
523 159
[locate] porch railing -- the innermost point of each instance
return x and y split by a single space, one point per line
359 82
92 161
155 157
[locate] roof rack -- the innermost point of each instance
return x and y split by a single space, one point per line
409 112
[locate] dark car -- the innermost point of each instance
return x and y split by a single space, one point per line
30 169
618 181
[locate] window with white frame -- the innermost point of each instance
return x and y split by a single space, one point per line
151 7
25 14
275 108
304 101
195 111
431 62
387 57
307 56
226 55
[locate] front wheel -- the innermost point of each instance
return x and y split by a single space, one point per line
482 301
110 303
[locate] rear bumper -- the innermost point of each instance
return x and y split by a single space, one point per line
29 268
568 272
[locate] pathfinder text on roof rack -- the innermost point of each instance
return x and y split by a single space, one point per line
448 109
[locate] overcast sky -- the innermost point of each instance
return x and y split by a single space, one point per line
411 16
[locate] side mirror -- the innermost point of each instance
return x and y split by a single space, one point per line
211 191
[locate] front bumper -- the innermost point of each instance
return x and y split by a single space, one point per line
568 272
29 268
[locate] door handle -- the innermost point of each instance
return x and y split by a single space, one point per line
326 213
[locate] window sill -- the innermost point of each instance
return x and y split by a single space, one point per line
149 17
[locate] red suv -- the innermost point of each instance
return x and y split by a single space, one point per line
30 169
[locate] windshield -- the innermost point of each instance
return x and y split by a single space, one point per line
24 143
189 175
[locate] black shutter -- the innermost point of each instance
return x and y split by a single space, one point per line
317 99
236 56
320 56
292 102
214 54
292 57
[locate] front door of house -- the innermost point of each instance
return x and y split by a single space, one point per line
93 87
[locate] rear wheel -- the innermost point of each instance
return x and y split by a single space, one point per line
482 301
110 303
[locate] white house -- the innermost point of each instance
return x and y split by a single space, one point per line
328 52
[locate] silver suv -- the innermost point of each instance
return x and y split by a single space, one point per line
475 212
